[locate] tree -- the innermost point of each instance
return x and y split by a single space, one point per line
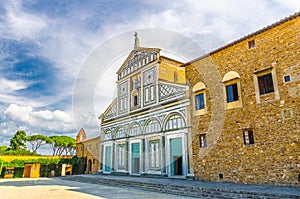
3 149
37 141
71 148
18 141
61 144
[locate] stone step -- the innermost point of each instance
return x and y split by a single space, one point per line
184 190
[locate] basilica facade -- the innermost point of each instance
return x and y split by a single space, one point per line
231 115
146 130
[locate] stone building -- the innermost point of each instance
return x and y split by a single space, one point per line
89 149
145 130
245 102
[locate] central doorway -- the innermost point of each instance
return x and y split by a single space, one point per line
135 157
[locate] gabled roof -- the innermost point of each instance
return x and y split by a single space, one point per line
90 139
297 14
139 49
114 102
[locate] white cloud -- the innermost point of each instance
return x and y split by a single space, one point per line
211 24
8 86
45 120
42 101
46 115
21 24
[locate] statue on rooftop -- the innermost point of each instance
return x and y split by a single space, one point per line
136 41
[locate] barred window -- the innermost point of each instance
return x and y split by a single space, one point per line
203 141
248 137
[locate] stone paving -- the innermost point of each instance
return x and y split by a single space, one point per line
194 188
55 188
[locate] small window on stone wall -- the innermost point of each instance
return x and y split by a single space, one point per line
251 44
221 176
203 141
248 137
287 78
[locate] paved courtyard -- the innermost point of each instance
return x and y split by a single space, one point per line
53 188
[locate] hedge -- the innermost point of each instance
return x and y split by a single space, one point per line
47 165
18 172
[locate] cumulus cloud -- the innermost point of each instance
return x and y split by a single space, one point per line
45 120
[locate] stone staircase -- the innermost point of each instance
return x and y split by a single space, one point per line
185 189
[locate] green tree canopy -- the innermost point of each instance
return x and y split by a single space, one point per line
2 149
37 141
18 141
62 144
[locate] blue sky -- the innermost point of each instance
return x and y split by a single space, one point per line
43 44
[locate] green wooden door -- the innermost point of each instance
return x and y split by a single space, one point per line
107 159
176 159
135 157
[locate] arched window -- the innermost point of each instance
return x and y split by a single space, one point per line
107 134
175 121
199 99
135 129
232 85
120 133
152 126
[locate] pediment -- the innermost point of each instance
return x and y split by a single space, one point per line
110 112
137 59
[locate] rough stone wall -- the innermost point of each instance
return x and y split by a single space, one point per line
274 158
91 152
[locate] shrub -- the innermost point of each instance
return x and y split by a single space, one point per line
18 172
79 165
2 172
1 165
